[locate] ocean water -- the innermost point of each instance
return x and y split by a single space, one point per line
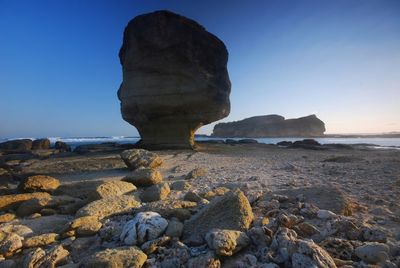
383 143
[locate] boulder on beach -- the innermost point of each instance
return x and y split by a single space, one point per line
175 79
231 211
136 158
271 126
39 183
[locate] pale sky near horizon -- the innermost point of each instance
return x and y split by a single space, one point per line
340 60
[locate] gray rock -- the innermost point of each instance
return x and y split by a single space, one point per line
175 228
175 79
373 252
145 226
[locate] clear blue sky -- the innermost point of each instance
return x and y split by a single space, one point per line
59 66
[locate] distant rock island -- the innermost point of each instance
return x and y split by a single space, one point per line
271 126
175 79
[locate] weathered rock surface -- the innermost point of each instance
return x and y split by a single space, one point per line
14 200
271 126
39 183
171 208
231 211
40 240
9 242
175 79
373 252
156 192
85 226
116 258
325 197
62 146
112 188
136 158
226 242
109 206
53 257
144 177
144 227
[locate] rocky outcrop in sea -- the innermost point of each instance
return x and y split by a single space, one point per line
271 126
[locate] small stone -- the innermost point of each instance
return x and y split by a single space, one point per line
306 229
207 260
373 252
14 200
39 183
112 188
156 192
192 196
7 217
181 186
40 240
324 214
109 206
170 208
116 258
86 226
374 235
136 158
226 242
145 226
219 191
260 236
144 177
175 228
33 257
9 243
197 172
151 246
54 256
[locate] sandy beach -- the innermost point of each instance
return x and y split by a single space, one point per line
356 183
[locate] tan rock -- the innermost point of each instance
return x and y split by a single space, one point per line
151 246
207 260
39 183
144 177
54 256
109 206
7 217
136 158
86 226
14 200
32 258
40 240
226 242
231 211
197 172
171 90
116 258
170 208
112 188
156 192
9 243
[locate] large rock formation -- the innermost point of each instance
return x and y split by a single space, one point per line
175 79
271 126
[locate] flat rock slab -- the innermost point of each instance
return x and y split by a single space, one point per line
14 200
116 257
231 211
109 206
324 197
